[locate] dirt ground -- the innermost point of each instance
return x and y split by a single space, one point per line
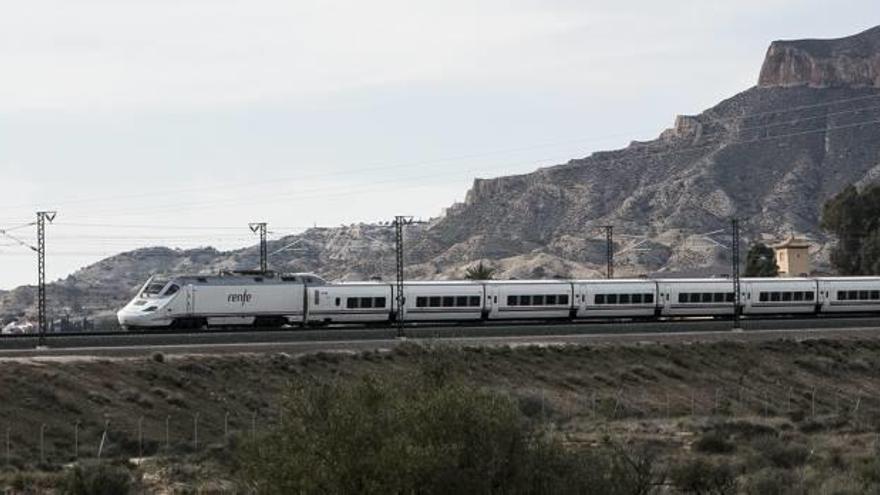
813 407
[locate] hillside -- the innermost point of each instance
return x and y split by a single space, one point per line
798 414
771 155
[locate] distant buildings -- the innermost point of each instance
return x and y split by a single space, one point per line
792 257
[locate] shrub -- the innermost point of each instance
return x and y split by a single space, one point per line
428 433
714 442
773 481
158 357
701 477
98 479
780 454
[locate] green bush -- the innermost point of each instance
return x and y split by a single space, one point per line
98 479
780 454
424 434
714 442
701 477
773 481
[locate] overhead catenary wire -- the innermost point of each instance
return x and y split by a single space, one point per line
708 114
590 161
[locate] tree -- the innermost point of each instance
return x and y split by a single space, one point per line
425 432
853 216
479 272
761 261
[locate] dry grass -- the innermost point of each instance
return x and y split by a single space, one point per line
770 410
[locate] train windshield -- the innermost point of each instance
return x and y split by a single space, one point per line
154 288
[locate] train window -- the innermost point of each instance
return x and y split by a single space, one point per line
317 297
562 299
718 297
808 296
695 297
258 279
551 300
448 301
649 298
775 296
434 301
599 299
172 289
798 296
764 297
338 301
202 280
682 298
611 298
474 301
623 299
841 295
637 299
786 296
513 300
537 300
728 297
852 295
875 294
863 295
525 300
421 302
461 301
351 303
366 302
379 302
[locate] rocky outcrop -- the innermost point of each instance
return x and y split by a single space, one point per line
853 61
771 155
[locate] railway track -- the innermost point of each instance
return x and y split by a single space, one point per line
122 344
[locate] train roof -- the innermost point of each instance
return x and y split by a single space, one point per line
248 278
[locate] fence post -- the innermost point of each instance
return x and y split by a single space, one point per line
196 431
813 402
141 437
254 424
856 412
226 426
103 437
543 412
76 440
8 448
167 433
693 404
667 405
43 444
788 402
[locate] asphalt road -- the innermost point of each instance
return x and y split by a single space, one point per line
361 339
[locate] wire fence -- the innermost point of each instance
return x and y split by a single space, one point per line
26 443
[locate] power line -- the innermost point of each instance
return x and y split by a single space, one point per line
640 154
706 114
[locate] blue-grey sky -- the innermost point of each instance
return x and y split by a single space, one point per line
176 122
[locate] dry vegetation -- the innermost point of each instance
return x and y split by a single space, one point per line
779 417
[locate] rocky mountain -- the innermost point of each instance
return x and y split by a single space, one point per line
771 155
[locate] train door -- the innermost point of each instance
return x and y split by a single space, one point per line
190 299
491 306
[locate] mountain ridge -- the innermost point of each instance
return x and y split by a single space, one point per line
770 155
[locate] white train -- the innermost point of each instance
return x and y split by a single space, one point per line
302 299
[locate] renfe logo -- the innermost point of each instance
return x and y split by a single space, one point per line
242 298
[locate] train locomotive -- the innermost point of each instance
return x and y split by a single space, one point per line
257 299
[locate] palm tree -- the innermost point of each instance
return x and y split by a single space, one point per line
479 272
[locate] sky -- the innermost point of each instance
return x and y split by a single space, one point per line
178 122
